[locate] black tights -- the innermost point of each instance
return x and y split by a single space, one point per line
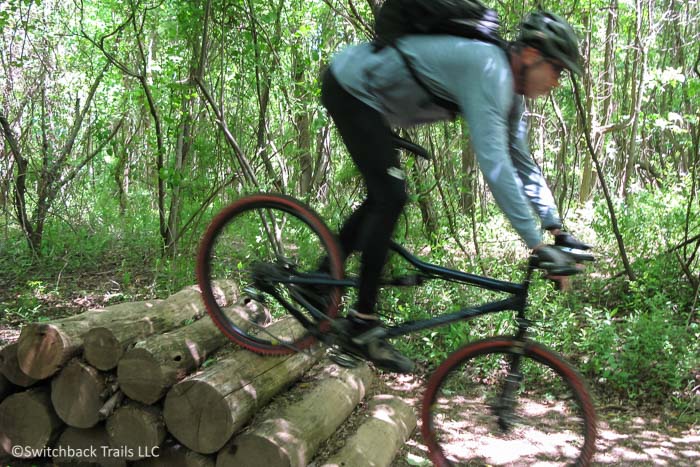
370 143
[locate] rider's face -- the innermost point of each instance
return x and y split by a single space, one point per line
542 75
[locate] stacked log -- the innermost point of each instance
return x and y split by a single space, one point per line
203 411
89 443
148 370
6 387
9 367
27 420
292 437
128 385
387 427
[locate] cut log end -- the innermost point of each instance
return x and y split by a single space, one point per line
137 429
27 419
102 349
9 366
140 376
87 446
213 424
41 350
78 394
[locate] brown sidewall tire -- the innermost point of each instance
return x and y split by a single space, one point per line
505 345
271 201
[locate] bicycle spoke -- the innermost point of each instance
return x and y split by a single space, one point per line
484 414
262 243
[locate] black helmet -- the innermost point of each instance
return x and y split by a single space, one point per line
553 36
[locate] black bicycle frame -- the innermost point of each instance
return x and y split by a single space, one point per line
516 302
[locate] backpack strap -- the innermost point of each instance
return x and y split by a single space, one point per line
452 107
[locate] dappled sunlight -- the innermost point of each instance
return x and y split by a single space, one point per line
640 442
635 442
195 353
384 413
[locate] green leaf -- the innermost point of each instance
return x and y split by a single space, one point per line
412 459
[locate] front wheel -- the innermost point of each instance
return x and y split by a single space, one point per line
502 401
264 243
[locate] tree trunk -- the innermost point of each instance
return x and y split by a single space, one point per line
146 372
9 367
203 411
78 393
639 64
91 443
291 438
28 419
20 192
376 442
136 431
468 175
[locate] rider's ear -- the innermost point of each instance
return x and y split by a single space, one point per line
530 55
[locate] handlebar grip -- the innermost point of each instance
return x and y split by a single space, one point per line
578 255
559 269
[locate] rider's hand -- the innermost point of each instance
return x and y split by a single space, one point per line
556 263
565 239
554 260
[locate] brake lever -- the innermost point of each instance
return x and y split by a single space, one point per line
577 255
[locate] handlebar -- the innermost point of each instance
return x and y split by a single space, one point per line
578 256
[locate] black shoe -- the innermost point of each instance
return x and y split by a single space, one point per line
386 357
363 338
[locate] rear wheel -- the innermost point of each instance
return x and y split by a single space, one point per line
478 410
262 242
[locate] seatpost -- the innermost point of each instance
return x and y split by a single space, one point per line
523 322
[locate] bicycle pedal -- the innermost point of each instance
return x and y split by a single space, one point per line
373 334
343 359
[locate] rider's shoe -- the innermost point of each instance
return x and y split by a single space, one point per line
386 357
374 348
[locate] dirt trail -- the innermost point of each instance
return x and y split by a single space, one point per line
632 438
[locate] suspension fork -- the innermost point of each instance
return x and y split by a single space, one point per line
504 407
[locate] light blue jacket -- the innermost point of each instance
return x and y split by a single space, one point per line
478 78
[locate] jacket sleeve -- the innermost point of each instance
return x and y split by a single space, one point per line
533 182
485 104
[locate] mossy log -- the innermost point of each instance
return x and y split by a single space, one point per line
376 442
204 410
292 437
147 371
105 344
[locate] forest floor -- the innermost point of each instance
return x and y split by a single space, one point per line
629 435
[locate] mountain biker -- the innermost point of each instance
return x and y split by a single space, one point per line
368 89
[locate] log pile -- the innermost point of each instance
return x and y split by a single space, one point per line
128 385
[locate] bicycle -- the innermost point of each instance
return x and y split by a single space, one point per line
482 396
